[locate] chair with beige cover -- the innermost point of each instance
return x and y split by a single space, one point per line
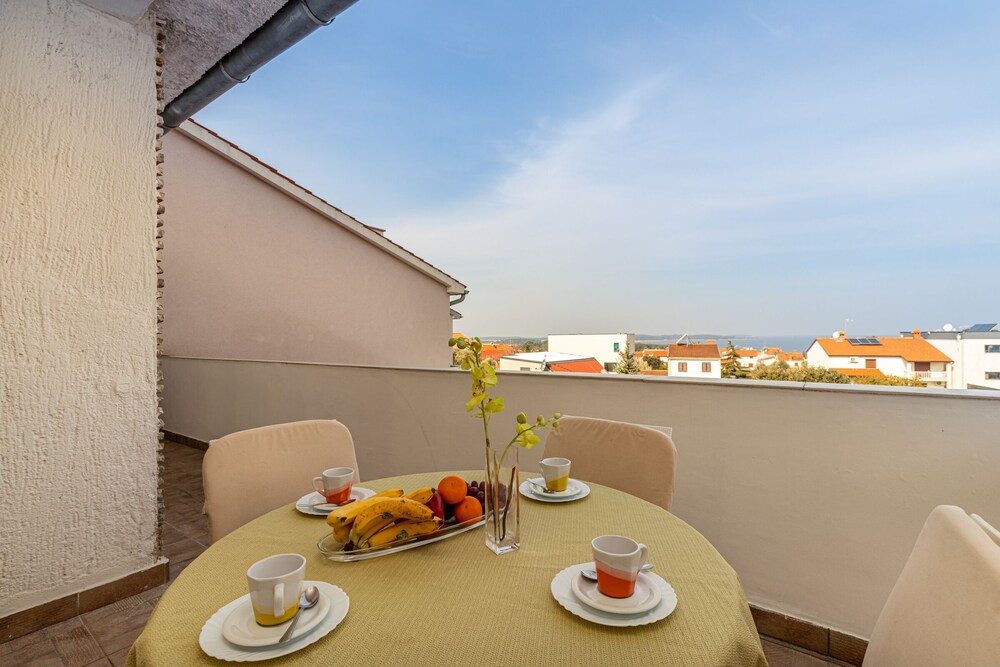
945 606
250 473
627 457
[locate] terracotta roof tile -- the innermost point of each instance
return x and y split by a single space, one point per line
582 366
694 351
747 353
910 349
860 372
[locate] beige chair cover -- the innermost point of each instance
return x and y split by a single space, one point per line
987 528
250 473
945 606
627 457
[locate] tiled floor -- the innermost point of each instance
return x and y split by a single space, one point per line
102 637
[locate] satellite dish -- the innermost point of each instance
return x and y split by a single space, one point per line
836 334
949 327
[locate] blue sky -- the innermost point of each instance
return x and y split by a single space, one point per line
750 167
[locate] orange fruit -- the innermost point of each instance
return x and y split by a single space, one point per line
452 489
470 508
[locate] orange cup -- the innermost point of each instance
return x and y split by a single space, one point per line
617 560
335 484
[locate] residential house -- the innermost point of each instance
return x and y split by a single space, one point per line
975 350
550 361
747 357
773 355
494 351
700 360
259 267
911 357
605 348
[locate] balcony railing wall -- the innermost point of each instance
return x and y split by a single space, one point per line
814 493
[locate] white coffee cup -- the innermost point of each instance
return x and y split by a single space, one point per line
335 484
618 560
555 470
275 585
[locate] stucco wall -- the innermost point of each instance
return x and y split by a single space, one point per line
251 272
816 504
78 422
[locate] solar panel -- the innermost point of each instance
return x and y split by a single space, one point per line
855 341
863 341
982 327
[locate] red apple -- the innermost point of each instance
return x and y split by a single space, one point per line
436 503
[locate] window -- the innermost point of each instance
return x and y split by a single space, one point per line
993 349
616 347
682 367
706 367
992 375
869 363
921 365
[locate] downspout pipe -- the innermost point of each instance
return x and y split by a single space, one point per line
460 299
290 24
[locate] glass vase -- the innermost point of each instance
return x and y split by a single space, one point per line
503 506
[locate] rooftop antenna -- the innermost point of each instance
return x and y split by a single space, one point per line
846 320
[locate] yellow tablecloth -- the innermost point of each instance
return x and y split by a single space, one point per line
455 603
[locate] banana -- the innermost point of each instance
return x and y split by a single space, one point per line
377 516
347 513
402 531
421 495
342 532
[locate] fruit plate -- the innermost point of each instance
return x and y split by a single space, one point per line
334 550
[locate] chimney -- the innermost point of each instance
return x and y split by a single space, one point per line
916 333
839 335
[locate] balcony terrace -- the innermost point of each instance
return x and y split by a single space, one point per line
814 493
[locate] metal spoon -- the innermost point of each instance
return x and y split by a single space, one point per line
539 486
308 600
592 574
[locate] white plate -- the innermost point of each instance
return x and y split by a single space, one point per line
314 504
242 629
562 591
646 596
528 492
572 488
213 643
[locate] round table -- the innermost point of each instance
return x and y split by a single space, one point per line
455 603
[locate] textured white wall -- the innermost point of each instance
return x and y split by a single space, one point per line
816 507
78 423
251 272
598 346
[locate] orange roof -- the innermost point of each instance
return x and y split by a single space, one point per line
747 353
694 351
860 372
772 350
910 349
457 336
496 350
653 372
582 366
653 353
791 356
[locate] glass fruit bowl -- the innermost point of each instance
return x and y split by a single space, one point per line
334 550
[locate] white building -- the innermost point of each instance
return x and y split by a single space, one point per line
748 358
603 347
911 357
699 360
549 361
975 350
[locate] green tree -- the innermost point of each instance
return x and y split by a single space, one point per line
653 363
627 363
804 373
731 363
889 381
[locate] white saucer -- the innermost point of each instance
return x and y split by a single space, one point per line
562 591
646 596
529 491
242 629
314 504
214 644
572 488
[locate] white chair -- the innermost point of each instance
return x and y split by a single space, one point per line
628 457
250 473
945 606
